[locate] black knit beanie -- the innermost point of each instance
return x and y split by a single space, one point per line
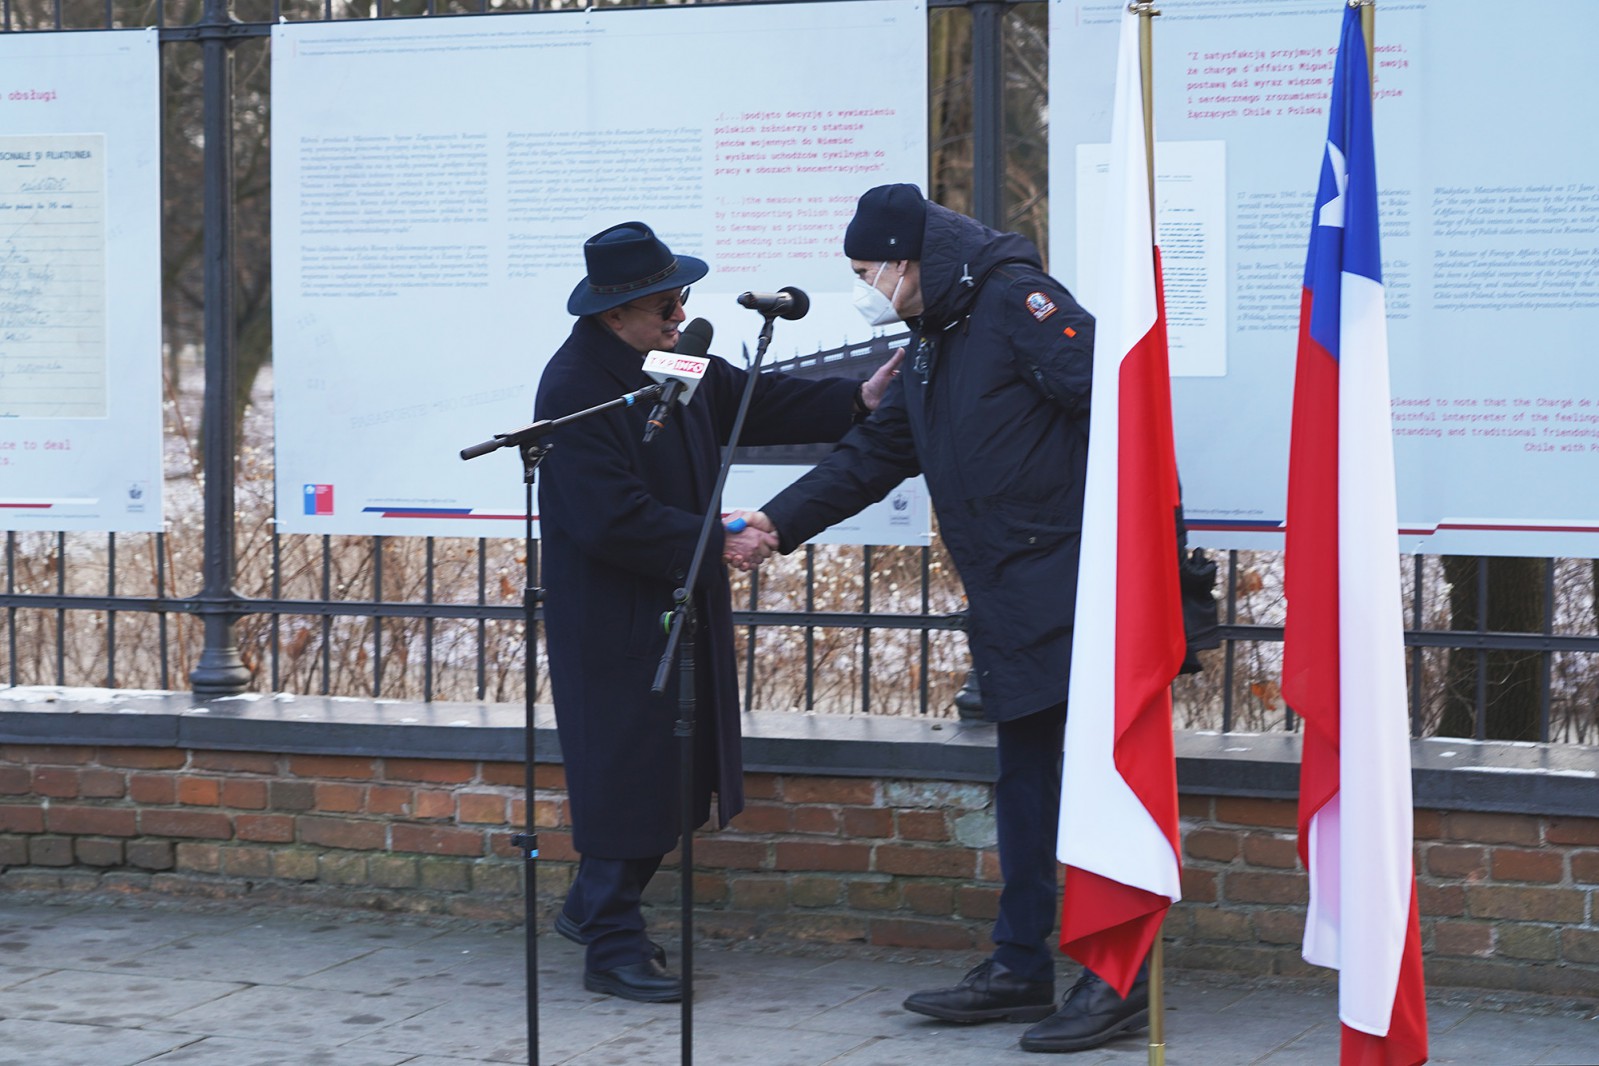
888 224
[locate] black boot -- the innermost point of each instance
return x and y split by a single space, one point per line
569 929
1090 1014
988 993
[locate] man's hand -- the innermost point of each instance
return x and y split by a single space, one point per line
873 388
750 546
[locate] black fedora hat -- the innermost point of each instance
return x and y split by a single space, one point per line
628 261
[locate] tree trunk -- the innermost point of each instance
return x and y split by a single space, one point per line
1514 681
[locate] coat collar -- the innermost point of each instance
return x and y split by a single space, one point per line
608 352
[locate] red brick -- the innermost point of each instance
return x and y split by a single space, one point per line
291 795
880 895
988 865
103 784
761 786
1585 867
1279 925
822 821
1427 825
1492 828
504 774
94 851
1197 807
556 847
143 758
343 833
710 888
235 762
814 856
1441 901
15 781
244 794
199 791
1526 904
439 840
1199 886
153 789
93 821
1270 849
841 791
924 862
1581 831
1212 845
931 898
247 862
1243 886
1220 923
199 858
549 814
431 803
433 771
1463 938
346 767
50 851
57 782
1579 945
47 754
340 799
759 893
1457 861
554 778
872 822
266 828
388 799
482 808
814 891
21 818
732 854
763 818
905 933
976 902
1526 864
13 851
922 825
210 825
1249 811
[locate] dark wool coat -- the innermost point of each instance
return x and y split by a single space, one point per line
618 519
992 407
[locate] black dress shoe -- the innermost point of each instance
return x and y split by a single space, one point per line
568 928
646 982
1090 1014
987 993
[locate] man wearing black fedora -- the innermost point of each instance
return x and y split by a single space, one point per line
619 519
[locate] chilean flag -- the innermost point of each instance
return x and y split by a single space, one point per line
1343 660
1118 812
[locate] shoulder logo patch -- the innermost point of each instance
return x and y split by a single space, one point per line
1040 305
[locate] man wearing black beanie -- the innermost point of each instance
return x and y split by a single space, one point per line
993 410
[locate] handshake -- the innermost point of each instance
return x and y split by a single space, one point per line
748 539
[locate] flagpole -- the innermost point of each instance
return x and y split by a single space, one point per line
1146 13
1368 30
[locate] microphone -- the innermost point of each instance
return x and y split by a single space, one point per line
679 371
788 302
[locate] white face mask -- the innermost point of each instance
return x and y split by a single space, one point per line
877 309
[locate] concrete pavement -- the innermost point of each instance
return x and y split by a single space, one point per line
107 981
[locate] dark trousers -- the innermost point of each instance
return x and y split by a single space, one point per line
604 902
1026 815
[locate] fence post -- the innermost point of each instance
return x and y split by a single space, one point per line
220 671
988 112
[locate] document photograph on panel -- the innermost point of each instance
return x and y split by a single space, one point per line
1489 231
423 255
80 283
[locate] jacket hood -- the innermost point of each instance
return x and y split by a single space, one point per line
958 253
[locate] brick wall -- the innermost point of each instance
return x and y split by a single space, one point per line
1507 900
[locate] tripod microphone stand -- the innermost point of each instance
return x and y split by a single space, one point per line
528 441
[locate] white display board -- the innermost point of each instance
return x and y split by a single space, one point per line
433 182
1489 186
80 282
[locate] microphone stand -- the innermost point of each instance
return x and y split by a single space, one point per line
680 644
530 446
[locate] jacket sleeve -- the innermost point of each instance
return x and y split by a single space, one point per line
789 410
1051 338
874 457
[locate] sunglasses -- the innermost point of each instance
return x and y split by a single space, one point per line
667 309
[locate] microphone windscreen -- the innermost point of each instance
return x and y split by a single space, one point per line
695 339
801 304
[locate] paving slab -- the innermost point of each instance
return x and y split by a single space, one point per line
132 981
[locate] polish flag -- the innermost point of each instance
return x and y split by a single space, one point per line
1344 658
1118 812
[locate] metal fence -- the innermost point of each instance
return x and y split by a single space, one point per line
223 603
